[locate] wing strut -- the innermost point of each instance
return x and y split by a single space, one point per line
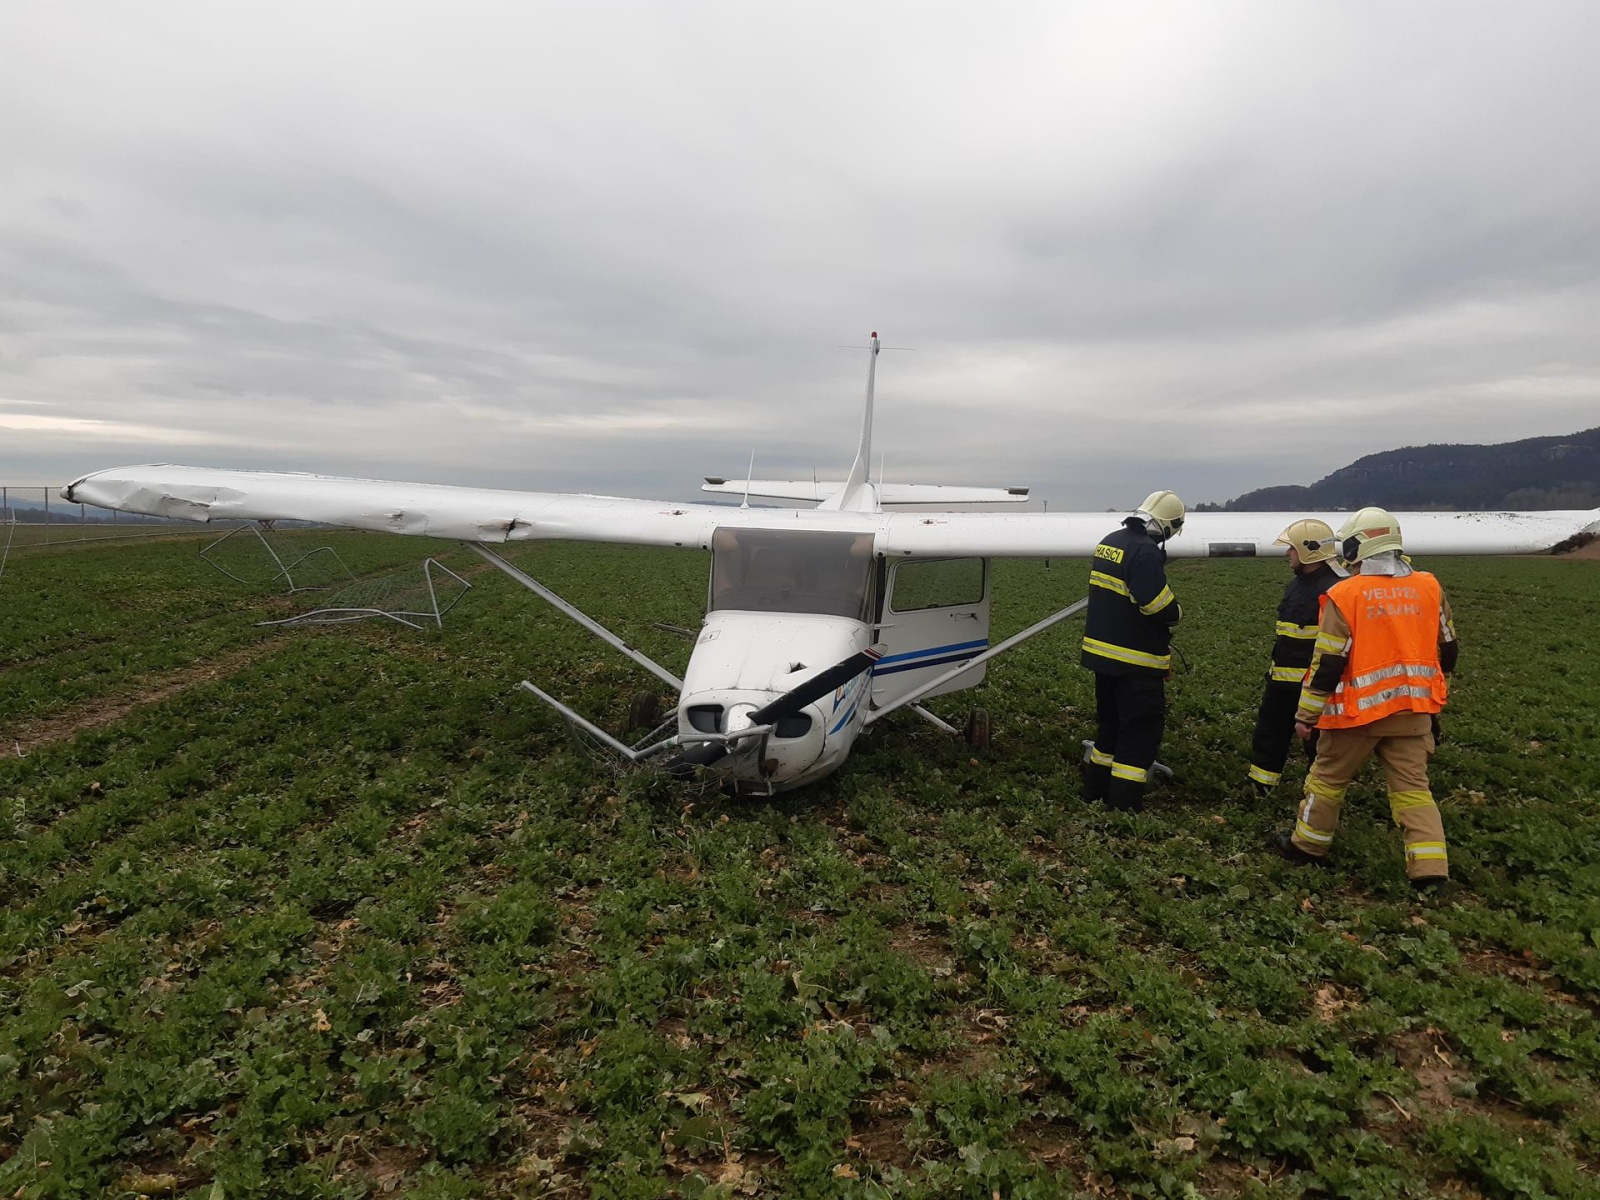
632 754
1015 639
589 623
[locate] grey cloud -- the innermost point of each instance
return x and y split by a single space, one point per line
617 249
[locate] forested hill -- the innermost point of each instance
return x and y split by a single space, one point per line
1535 473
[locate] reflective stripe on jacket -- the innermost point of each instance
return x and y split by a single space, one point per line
1127 630
1393 662
1298 613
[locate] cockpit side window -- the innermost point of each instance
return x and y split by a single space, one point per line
797 571
937 583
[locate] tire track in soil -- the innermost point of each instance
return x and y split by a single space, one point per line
24 737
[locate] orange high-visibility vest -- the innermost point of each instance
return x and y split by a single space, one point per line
1394 649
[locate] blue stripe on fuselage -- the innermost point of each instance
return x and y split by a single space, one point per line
928 662
845 720
934 656
952 648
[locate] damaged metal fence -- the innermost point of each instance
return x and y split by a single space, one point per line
34 515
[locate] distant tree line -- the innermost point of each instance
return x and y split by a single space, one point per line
1535 473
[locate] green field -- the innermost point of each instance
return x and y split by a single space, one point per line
338 912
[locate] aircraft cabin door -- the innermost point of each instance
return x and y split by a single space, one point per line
935 614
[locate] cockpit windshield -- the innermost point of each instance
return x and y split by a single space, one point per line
791 570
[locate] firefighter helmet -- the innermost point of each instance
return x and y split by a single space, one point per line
1370 531
1163 514
1311 538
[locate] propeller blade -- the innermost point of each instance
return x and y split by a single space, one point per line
682 765
816 687
705 754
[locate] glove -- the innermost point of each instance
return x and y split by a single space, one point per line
1438 733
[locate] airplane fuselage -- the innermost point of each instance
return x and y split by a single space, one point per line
743 660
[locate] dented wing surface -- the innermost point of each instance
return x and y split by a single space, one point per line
429 510
489 515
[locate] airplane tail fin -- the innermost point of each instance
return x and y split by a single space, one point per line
860 492
861 469
857 493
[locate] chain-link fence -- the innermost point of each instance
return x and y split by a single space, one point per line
38 516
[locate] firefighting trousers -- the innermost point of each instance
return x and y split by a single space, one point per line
1403 743
1130 716
1269 745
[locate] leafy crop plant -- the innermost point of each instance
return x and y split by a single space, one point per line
339 913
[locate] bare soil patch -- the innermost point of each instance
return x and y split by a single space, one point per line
1052 1142
1423 1053
882 1140
386 1166
929 949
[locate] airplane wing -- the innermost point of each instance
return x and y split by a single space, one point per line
490 515
423 509
1218 535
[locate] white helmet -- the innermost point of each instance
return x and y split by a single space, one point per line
1312 539
1162 513
1370 531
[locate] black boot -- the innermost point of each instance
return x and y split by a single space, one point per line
1125 795
1096 783
1282 843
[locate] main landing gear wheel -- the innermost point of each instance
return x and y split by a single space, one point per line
977 731
644 711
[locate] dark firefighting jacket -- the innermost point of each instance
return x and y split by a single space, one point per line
1298 613
1128 628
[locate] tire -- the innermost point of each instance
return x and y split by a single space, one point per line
644 711
978 730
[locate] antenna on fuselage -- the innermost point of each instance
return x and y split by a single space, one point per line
749 474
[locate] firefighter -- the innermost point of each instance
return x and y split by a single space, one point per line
1384 647
1311 551
1127 643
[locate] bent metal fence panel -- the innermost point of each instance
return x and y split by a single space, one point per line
36 515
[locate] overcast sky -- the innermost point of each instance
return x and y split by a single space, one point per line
618 246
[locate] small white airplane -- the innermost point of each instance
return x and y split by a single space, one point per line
821 621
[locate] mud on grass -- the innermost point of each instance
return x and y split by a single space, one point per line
352 917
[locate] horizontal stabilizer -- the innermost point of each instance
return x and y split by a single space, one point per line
774 489
939 493
818 490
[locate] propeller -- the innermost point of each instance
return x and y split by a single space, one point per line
788 704
817 686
